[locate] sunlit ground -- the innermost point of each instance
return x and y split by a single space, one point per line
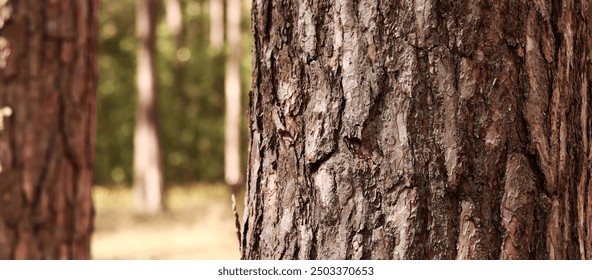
198 224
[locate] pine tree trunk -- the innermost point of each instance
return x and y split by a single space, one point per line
48 81
174 18
216 24
148 178
232 84
420 130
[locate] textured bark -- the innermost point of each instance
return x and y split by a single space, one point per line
420 130
148 178
232 88
48 79
216 23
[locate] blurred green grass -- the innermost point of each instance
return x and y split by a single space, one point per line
197 224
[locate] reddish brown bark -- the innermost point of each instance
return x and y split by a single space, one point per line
49 81
420 130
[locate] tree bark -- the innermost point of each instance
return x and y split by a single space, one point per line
148 178
48 83
216 24
420 130
232 87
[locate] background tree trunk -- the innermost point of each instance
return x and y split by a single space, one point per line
174 19
148 178
216 24
420 130
232 87
48 79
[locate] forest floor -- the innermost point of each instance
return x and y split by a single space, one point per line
198 224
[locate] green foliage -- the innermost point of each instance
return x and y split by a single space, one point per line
117 93
191 96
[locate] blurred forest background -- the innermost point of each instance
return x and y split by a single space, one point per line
191 113
198 221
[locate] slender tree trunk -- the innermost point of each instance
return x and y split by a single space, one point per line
232 84
48 82
148 179
174 19
216 24
420 130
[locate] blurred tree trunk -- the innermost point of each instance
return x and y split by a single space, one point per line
48 82
232 84
420 130
148 178
216 24
174 19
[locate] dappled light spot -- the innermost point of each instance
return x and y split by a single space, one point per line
183 54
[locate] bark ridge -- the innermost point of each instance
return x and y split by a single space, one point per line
420 130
